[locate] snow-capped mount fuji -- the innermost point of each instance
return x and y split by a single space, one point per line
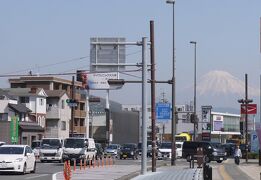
217 83
220 89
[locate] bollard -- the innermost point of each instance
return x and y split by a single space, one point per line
89 163
74 165
98 162
81 164
102 162
259 157
84 164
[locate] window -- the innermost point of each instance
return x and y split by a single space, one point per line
24 99
41 102
3 116
63 125
62 104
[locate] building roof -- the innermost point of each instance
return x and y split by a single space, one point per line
25 91
19 108
44 79
30 126
5 93
55 93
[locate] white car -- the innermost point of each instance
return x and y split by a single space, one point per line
17 158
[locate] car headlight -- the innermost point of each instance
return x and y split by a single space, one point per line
65 156
214 153
132 153
82 156
19 160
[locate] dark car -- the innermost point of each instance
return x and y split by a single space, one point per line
213 151
129 150
229 148
99 150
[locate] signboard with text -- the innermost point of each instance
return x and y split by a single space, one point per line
100 80
163 111
251 109
14 129
206 123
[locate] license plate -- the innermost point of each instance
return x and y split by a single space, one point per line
221 158
3 165
124 155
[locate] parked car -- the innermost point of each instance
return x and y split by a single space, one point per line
36 147
2 143
17 158
129 150
164 150
113 150
213 151
99 150
229 148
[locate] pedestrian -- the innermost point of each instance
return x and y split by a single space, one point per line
237 155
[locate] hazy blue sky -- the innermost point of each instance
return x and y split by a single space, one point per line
35 35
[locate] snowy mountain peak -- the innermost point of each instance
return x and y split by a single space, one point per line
223 83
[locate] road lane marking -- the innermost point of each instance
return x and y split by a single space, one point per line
33 177
223 173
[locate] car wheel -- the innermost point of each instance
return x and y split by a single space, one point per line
188 158
24 169
33 171
219 161
207 160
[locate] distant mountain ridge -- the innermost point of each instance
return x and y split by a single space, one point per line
221 90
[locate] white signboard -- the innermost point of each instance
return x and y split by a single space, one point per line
100 80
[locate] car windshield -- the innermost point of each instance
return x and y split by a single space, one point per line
50 143
74 143
216 145
36 144
11 150
112 146
128 146
165 146
178 146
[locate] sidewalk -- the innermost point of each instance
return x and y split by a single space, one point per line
252 168
123 172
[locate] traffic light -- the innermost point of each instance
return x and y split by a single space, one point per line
71 102
193 118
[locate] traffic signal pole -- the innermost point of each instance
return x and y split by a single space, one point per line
72 108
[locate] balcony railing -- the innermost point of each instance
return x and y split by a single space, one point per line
53 113
80 129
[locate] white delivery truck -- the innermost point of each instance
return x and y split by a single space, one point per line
76 148
51 149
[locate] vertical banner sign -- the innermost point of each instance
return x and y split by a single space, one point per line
14 129
206 123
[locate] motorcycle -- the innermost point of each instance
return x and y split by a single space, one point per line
237 160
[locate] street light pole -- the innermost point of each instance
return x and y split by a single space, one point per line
195 88
173 123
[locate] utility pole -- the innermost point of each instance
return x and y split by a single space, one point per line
72 107
153 113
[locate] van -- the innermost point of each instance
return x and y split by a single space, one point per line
51 149
213 151
77 148
179 146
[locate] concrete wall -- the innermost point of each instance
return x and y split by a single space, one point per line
65 116
125 127
5 131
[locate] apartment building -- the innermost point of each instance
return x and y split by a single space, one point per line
55 83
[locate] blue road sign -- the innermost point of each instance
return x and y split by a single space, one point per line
163 111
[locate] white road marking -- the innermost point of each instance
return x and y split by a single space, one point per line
33 177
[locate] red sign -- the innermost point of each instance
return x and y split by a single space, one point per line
251 108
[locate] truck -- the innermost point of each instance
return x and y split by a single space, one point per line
51 149
77 148
184 136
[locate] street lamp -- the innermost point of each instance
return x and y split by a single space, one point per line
245 103
195 89
173 123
